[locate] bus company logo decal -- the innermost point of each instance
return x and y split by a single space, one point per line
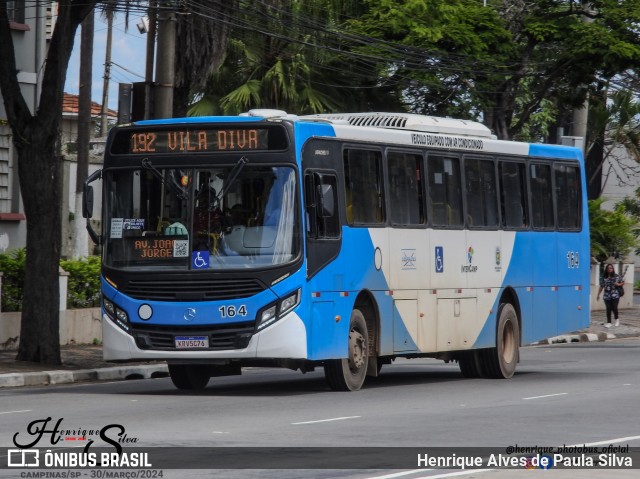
498 259
189 314
408 259
469 268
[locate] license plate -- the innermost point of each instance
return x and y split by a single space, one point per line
190 342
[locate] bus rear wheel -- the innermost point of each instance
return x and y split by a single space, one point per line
192 376
349 374
500 362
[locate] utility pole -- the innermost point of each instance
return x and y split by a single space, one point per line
150 60
165 64
80 245
581 114
107 76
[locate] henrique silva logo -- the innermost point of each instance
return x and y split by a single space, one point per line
113 435
469 268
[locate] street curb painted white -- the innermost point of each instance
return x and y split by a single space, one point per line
69 376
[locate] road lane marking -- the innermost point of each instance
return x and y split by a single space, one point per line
325 420
14 412
437 476
609 441
545 396
404 473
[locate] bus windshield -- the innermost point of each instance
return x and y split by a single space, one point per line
223 217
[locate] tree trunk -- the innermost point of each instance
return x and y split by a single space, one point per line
41 186
40 173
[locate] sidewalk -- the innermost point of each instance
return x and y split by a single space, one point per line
79 363
84 362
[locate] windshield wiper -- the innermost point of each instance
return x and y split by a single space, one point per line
233 174
180 192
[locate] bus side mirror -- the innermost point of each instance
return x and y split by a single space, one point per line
87 204
326 204
87 201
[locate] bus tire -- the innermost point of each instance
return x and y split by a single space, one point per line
470 364
193 376
349 374
500 362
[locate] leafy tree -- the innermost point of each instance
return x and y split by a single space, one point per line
40 177
613 233
506 62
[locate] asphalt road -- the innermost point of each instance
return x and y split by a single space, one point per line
581 393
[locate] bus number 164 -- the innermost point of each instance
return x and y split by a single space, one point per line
573 259
231 311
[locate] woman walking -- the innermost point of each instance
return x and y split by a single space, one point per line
609 284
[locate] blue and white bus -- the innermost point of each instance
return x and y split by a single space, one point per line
338 241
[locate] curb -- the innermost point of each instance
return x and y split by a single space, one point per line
582 338
45 378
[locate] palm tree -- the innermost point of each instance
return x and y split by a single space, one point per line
284 54
202 34
613 123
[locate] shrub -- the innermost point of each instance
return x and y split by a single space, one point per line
12 267
83 287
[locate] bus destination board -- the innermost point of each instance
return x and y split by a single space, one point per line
198 140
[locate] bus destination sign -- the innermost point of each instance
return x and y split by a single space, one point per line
198 140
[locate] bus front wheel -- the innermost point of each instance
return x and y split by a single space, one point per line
192 376
349 374
500 362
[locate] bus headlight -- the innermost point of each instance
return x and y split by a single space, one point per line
116 314
274 312
288 303
267 317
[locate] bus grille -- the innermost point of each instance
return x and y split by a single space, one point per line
223 336
192 290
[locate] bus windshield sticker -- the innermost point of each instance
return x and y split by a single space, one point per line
133 224
181 248
116 227
200 259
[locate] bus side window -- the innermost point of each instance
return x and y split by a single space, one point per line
405 189
445 192
541 196
513 194
568 194
363 186
482 206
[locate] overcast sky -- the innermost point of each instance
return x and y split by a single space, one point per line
128 56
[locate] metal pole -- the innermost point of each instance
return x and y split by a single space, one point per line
107 77
165 65
150 61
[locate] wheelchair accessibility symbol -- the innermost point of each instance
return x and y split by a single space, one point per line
439 259
200 259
